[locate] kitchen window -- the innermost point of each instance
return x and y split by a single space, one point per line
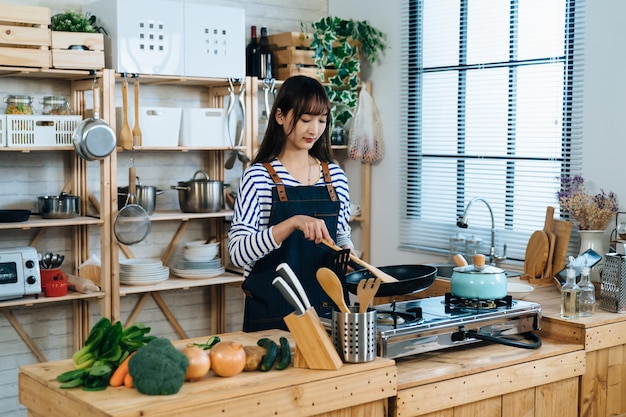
493 110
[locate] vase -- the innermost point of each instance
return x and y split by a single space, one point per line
594 240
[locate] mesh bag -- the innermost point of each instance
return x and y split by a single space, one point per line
366 133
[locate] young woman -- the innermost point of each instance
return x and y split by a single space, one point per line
291 197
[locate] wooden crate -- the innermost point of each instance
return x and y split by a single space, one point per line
24 36
66 56
292 55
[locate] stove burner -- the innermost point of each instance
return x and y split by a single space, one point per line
396 318
453 303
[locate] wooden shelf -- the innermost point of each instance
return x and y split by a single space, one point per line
31 300
176 283
36 221
47 73
179 215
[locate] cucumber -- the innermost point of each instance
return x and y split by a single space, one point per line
284 360
271 353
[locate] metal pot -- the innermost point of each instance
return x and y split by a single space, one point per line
145 197
93 138
62 206
200 195
486 283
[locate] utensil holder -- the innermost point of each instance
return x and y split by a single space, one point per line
354 335
613 284
314 349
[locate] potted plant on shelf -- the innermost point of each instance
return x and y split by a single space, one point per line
338 47
75 42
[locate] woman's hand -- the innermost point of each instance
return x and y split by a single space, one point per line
313 229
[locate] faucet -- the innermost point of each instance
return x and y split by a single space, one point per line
462 223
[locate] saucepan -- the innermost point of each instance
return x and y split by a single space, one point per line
146 196
478 281
62 206
93 138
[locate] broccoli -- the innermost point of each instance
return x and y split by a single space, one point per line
158 368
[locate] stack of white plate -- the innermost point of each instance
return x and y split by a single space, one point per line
143 271
184 268
200 251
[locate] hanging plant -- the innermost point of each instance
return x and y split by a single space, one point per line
339 45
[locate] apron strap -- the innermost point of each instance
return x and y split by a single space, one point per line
328 182
280 187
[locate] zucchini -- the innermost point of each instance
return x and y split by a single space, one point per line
271 353
284 360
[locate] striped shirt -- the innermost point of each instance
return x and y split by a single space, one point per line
250 237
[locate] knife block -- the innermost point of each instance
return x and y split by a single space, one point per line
314 348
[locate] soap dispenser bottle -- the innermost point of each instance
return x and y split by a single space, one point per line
570 296
587 293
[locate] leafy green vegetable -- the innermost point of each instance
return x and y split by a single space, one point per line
158 368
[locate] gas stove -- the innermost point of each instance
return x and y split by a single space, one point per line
411 327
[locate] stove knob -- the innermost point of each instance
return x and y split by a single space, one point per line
30 264
31 280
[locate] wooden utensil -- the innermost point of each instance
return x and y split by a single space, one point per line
536 254
562 231
375 271
366 291
137 138
546 274
332 286
126 135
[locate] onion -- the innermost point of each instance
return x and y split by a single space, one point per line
199 362
227 358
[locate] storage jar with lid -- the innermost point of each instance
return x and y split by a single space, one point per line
55 105
18 104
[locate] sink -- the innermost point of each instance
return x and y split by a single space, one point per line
444 270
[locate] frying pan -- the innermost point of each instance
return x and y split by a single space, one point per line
93 138
411 278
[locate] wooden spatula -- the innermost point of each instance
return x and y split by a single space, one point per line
331 284
137 137
384 277
366 291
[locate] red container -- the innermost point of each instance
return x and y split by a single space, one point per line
55 289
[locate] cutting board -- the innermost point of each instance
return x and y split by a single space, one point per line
562 231
546 274
536 255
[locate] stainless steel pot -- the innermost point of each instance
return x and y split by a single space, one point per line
62 206
145 196
200 195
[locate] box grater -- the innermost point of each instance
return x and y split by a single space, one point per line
613 284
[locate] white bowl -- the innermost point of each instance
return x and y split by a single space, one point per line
519 291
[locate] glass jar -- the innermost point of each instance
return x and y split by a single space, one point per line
18 104
473 247
55 105
457 245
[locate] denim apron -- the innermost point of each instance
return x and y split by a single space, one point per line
265 307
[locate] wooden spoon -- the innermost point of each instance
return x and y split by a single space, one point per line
126 135
137 138
384 277
366 291
332 286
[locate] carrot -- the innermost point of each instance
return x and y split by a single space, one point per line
128 380
117 378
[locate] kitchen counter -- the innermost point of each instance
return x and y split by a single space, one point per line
354 389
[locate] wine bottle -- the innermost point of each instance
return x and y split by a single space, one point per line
252 67
265 56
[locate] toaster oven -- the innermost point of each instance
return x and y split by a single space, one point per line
19 272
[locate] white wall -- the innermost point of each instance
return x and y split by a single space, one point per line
604 112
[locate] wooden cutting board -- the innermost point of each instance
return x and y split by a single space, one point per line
536 254
562 231
546 274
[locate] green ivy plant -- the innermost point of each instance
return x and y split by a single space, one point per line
340 44
71 21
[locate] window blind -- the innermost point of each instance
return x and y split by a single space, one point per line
493 109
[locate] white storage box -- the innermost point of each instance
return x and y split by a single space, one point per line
160 126
215 41
40 131
3 130
203 128
145 36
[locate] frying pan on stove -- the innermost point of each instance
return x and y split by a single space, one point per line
411 278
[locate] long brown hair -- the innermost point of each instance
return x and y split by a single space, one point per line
303 95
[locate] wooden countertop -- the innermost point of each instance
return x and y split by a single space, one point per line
294 391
